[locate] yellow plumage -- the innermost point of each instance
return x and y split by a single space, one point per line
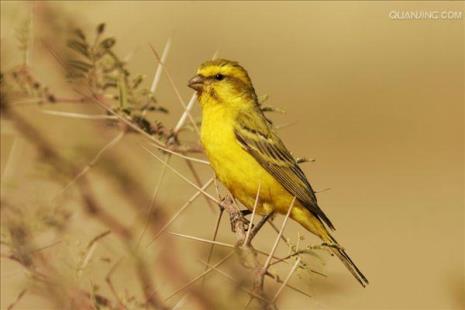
247 154
239 171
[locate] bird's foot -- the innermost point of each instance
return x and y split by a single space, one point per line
237 219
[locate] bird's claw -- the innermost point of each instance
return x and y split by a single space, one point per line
236 218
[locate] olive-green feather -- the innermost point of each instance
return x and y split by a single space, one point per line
257 137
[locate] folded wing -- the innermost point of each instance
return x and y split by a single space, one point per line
257 137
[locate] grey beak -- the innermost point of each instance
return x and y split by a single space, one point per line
196 82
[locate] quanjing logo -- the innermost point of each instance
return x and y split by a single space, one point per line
426 15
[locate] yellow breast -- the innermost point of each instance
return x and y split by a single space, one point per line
235 167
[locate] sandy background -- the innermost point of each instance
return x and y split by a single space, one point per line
378 102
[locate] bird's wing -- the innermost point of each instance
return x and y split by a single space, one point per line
255 135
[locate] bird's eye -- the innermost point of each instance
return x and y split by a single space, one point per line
219 77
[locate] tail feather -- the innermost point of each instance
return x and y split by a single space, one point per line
313 224
347 261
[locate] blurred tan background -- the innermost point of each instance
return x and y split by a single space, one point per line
379 103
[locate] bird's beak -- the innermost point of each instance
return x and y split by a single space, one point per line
196 82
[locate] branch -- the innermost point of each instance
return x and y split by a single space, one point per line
80 115
91 206
286 280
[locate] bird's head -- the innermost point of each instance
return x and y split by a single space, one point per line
222 81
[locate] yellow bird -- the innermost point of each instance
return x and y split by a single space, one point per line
249 157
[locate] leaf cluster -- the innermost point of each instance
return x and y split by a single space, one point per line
99 67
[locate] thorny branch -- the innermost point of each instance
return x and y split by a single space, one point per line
127 107
91 205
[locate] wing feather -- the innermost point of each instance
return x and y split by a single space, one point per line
255 136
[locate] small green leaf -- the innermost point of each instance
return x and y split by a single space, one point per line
101 28
107 43
79 47
78 32
80 65
136 82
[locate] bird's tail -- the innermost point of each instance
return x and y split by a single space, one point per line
315 225
337 250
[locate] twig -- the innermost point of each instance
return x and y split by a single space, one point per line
186 112
158 144
94 160
204 240
228 276
35 101
193 159
80 115
178 126
18 298
296 253
249 302
217 226
111 286
157 76
218 243
47 246
182 209
286 280
257 197
275 245
181 302
90 251
98 237
197 180
260 272
276 229
154 197
13 159
87 257
189 106
221 261
183 177
215 234
278 280
176 91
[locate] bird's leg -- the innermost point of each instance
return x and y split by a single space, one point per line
239 216
244 213
260 224
235 218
